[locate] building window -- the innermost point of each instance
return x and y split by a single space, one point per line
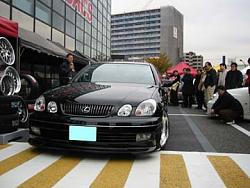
25 5
43 13
80 21
58 22
47 2
70 29
70 14
87 39
87 27
87 50
8 1
59 7
79 34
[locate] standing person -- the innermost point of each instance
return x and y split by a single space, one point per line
67 70
210 82
246 80
222 75
234 78
187 88
226 106
174 88
198 89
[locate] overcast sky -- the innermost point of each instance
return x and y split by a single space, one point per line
212 28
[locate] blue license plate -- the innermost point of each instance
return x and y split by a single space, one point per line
80 133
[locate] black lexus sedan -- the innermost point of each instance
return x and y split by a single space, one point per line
108 107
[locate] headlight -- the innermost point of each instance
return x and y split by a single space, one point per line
125 110
146 108
52 107
40 104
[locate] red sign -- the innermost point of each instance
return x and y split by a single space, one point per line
83 7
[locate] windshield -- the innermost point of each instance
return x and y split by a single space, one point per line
117 73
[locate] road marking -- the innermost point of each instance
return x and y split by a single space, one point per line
243 162
198 134
16 160
246 132
25 171
12 150
173 172
158 169
2 146
145 172
52 174
114 174
201 172
230 172
83 174
193 115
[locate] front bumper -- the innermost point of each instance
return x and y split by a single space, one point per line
114 135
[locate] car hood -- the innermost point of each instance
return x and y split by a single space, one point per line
99 93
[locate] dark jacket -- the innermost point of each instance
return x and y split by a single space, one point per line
211 78
65 74
197 82
234 79
227 101
187 88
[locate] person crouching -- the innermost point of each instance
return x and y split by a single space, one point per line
227 107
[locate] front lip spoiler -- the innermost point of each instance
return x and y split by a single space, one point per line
52 144
104 126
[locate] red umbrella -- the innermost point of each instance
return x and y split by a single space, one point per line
180 66
8 28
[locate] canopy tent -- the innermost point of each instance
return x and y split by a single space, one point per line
179 67
8 28
37 43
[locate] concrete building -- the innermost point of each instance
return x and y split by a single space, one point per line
82 25
148 33
195 61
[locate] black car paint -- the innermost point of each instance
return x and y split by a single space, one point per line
55 127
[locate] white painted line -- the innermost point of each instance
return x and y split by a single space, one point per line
200 171
193 115
15 148
244 162
204 153
25 171
145 172
83 174
246 132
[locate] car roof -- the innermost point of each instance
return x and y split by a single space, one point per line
123 62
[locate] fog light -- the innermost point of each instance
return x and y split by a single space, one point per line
143 136
36 130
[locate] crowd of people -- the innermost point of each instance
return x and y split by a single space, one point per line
205 83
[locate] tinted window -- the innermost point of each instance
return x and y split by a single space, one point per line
117 73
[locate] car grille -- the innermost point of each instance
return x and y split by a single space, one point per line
86 109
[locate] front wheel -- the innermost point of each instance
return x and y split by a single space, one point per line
165 130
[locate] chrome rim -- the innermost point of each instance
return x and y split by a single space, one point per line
23 112
7 54
7 85
14 74
164 131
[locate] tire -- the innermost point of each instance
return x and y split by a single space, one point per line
162 139
34 86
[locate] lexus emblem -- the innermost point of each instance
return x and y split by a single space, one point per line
86 109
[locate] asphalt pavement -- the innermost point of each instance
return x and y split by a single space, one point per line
192 130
